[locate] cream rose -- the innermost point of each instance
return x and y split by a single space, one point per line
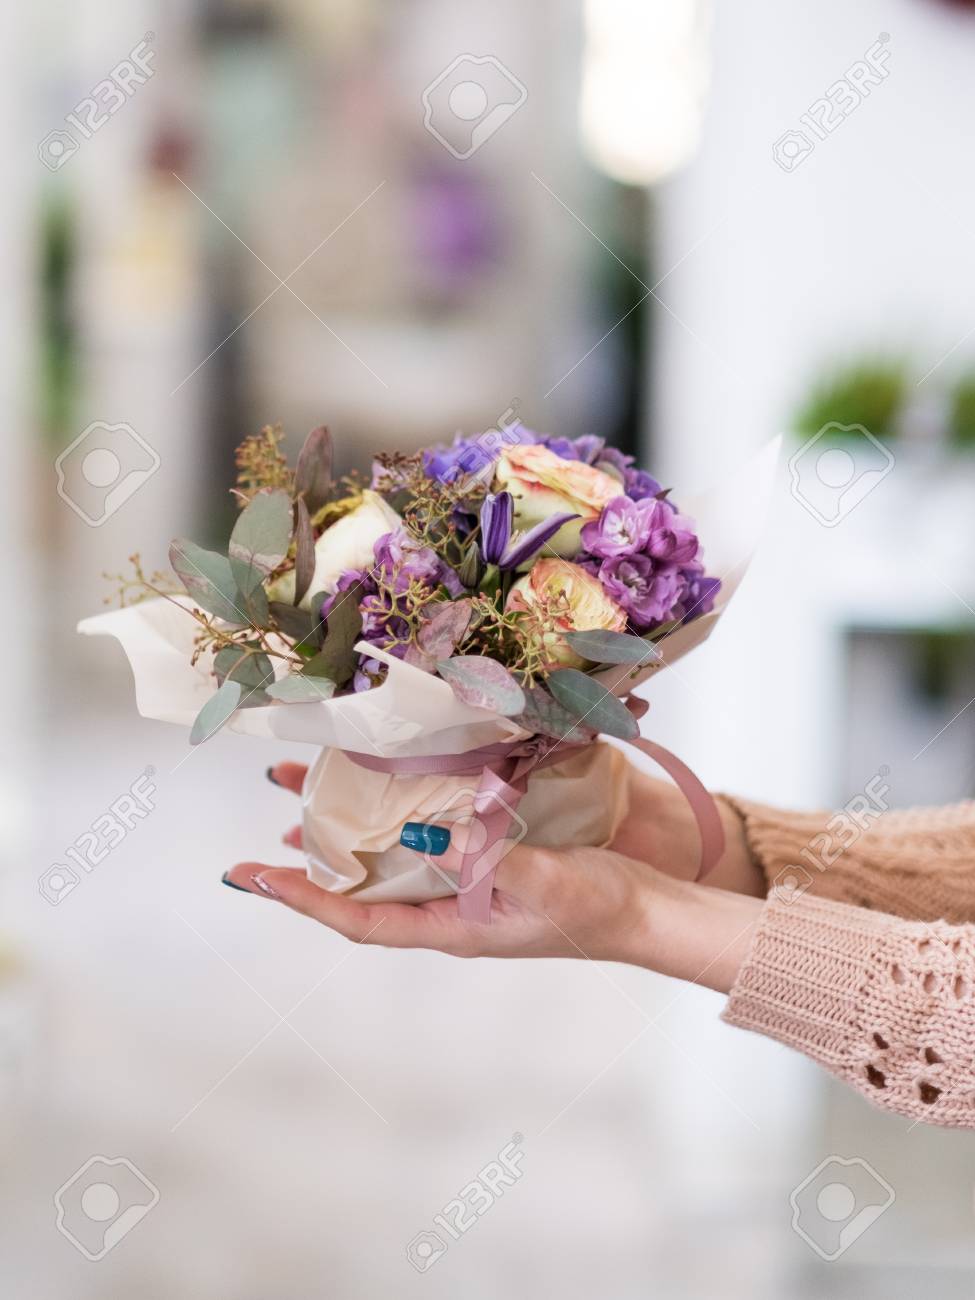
346 544
590 609
543 484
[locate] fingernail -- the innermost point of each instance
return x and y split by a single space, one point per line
425 838
264 887
271 777
225 879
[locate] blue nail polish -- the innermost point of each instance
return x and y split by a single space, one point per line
425 839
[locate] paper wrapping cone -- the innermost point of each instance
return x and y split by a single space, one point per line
353 817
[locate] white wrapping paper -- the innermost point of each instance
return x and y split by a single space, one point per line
353 816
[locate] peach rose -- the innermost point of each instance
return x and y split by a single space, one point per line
590 609
543 484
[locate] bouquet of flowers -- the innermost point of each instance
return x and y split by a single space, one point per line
479 610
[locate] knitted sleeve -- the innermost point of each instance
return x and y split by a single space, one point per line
886 1005
918 863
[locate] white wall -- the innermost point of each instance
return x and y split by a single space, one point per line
868 243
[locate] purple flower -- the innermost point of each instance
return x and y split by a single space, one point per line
403 560
611 458
638 484
497 517
623 527
366 674
476 455
523 546
564 447
700 592
345 582
647 593
672 537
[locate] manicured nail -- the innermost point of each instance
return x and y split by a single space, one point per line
271 777
425 838
225 878
264 887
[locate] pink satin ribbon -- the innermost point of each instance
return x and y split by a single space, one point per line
504 771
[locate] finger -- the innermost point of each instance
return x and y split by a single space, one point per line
293 837
290 776
393 925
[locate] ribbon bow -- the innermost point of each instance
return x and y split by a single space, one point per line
504 771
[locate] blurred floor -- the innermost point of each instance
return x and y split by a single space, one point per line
301 1157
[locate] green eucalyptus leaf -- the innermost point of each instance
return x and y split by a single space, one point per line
208 579
304 550
544 716
592 704
664 629
255 603
249 666
261 537
336 659
298 689
483 683
292 622
218 710
612 647
313 471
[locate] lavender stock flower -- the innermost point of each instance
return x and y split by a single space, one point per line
646 592
638 484
672 537
622 528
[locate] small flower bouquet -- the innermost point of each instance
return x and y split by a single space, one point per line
479 613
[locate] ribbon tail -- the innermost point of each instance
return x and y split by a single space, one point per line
701 801
497 824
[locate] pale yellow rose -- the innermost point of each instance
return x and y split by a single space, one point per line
346 544
589 607
544 484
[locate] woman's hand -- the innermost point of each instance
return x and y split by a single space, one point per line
593 903
659 828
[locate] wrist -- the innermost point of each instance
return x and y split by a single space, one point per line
696 933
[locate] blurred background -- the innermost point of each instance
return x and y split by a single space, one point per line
684 226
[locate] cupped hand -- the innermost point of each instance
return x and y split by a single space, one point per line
579 902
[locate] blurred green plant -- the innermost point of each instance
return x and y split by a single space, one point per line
58 343
871 393
960 420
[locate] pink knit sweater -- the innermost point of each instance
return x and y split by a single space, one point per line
868 964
